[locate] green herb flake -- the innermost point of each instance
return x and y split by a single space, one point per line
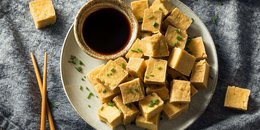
123 65
72 62
150 17
160 68
89 106
72 57
79 69
178 30
153 102
90 95
102 108
188 41
104 91
214 19
113 70
134 51
111 104
179 37
151 75
81 88
155 24
147 77
140 20
81 63
139 50
82 79
175 44
87 88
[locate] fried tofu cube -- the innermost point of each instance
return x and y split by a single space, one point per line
151 105
136 51
161 90
112 75
156 46
121 62
181 61
180 91
152 21
200 74
175 74
136 67
173 110
104 94
163 5
149 124
93 74
237 98
129 110
155 72
138 8
193 91
197 48
132 91
110 114
178 20
43 13
176 37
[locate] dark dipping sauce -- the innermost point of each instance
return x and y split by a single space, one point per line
106 31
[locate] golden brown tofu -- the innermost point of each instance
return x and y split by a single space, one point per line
132 91
93 74
173 110
129 110
193 91
156 46
181 61
43 13
175 74
138 8
200 74
155 72
150 124
161 90
110 114
104 94
176 37
197 48
163 5
151 105
180 91
136 51
237 98
152 21
178 20
136 67
112 75
121 62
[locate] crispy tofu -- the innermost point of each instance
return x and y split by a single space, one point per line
161 90
180 91
173 110
175 74
197 48
155 72
181 61
129 110
156 46
138 8
150 124
200 74
136 67
151 105
43 13
237 98
93 74
163 5
132 91
178 20
110 114
112 75
176 37
121 62
136 51
152 20
104 94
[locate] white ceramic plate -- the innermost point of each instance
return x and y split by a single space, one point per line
71 80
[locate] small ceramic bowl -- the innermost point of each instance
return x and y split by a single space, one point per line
94 5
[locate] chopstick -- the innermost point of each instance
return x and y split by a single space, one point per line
39 80
43 112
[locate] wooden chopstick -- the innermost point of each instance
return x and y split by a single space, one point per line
39 80
43 112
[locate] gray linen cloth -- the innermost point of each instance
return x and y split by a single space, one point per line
234 25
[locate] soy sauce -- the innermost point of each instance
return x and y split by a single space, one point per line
106 31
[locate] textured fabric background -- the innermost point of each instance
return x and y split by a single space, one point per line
236 33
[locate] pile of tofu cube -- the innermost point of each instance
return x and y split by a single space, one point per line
161 72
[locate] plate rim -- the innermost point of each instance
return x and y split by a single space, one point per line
214 55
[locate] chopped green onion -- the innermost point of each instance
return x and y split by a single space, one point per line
87 88
123 65
113 70
134 51
81 63
150 17
81 88
82 79
147 77
160 68
139 50
153 102
72 57
179 38
155 24
90 95
72 62
89 106
140 20
178 30
111 104
102 108
79 69
104 91
151 75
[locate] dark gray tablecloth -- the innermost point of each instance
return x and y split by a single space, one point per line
235 30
